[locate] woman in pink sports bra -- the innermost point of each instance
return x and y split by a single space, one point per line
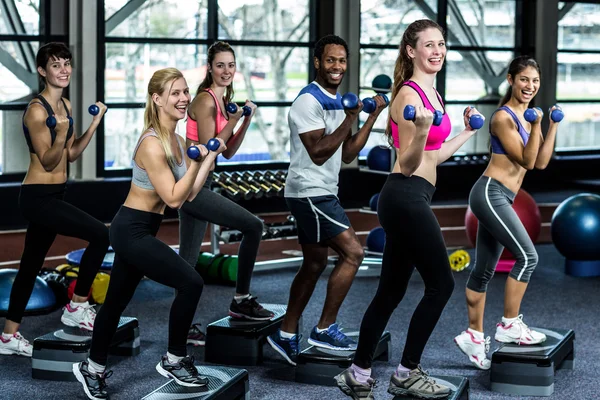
208 118
413 235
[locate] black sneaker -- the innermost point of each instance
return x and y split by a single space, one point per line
184 372
353 388
288 348
249 308
196 336
94 385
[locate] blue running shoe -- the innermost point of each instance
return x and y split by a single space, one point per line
288 348
332 339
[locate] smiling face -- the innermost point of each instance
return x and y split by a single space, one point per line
430 51
174 100
332 66
57 72
223 68
525 84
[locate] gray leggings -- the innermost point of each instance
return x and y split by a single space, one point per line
212 207
499 227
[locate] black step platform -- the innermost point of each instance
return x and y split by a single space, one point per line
223 384
458 384
529 370
240 342
319 366
55 353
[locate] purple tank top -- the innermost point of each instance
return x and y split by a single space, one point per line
497 147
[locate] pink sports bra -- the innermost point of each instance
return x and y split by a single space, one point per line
437 134
191 127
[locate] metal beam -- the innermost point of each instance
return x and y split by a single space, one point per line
121 15
27 77
565 10
14 23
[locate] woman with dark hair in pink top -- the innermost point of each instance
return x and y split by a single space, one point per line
207 119
413 235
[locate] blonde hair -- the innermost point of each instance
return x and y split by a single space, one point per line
158 84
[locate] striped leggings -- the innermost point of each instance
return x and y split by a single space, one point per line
499 227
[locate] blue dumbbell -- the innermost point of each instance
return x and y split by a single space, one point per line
557 114
51 122
410 114
232 108
94 109
475 121
193 152
369 103
530 114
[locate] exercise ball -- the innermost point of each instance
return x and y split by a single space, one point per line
527 211
42 298
575 232
380 158
376 240
373 202
382 82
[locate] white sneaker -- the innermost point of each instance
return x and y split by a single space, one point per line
82 316
475 349
17 344
517 332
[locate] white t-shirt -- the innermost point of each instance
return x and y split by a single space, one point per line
313 109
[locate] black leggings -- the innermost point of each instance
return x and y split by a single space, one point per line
209 206
48 215
139 253
413 239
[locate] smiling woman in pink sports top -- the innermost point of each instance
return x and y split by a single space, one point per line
208 118
413 235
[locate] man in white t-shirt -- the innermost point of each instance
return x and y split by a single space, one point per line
321 138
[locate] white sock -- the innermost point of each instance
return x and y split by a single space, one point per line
173 359
402 371
7 336
240 298
286 335
477 334
95 368
320 330
508 321
75 305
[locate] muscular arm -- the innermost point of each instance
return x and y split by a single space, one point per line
76 146
412 137
503 126
48 153
355 143
151 157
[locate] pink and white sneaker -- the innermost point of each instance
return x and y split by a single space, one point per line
16 344
517 332
82 316
475 349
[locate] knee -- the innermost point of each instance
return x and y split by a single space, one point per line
253 228
525 266
355 256
442 289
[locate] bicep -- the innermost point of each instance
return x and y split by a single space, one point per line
311 139
406 129
39 133
151 156
205 112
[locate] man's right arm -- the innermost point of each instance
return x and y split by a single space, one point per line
307 114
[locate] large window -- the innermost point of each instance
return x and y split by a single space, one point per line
272 45
577 88
481 41
20 28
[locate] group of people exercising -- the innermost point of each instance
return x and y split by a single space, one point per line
321 133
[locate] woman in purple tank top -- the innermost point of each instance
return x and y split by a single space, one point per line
517 146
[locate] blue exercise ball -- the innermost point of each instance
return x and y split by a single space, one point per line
42 298
376 240
576 227
380 159
373 202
